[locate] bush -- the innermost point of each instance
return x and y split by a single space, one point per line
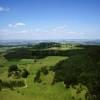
25 73
12 68
37 77
0 84
16 72
44 70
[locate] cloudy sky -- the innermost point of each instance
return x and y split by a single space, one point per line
49 19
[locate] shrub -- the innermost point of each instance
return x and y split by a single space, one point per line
25 73
37 77
12 68
44 70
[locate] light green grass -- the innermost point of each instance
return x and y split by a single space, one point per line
43 90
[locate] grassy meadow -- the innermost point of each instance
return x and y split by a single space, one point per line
43 90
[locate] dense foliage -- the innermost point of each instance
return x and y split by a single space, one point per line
83 68
25 73
44 71
18 53
15 72
11 84
45 45
37 54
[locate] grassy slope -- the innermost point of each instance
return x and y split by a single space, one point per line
40 91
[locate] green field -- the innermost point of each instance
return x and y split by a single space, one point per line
39 91
76 61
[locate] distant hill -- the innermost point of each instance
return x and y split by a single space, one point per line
32 42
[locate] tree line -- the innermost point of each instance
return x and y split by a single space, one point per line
82 68
11 84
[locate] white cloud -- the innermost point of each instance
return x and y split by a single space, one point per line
75 33
64 30
19 24
16 24
59 29
59 32
2 9
10 25
37 30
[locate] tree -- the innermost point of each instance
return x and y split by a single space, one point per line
14 71
25 73
37 77
12 68
44 70
0 84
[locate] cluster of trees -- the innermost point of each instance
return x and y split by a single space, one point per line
45 45
14 71
18 53
39 51
11 84
43 70
36 54
82 68
26 52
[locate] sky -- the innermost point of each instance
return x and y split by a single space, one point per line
49 19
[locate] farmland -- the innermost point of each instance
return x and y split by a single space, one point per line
55 72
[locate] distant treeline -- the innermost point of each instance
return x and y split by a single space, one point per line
20 53
35 51
28 53
45 45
